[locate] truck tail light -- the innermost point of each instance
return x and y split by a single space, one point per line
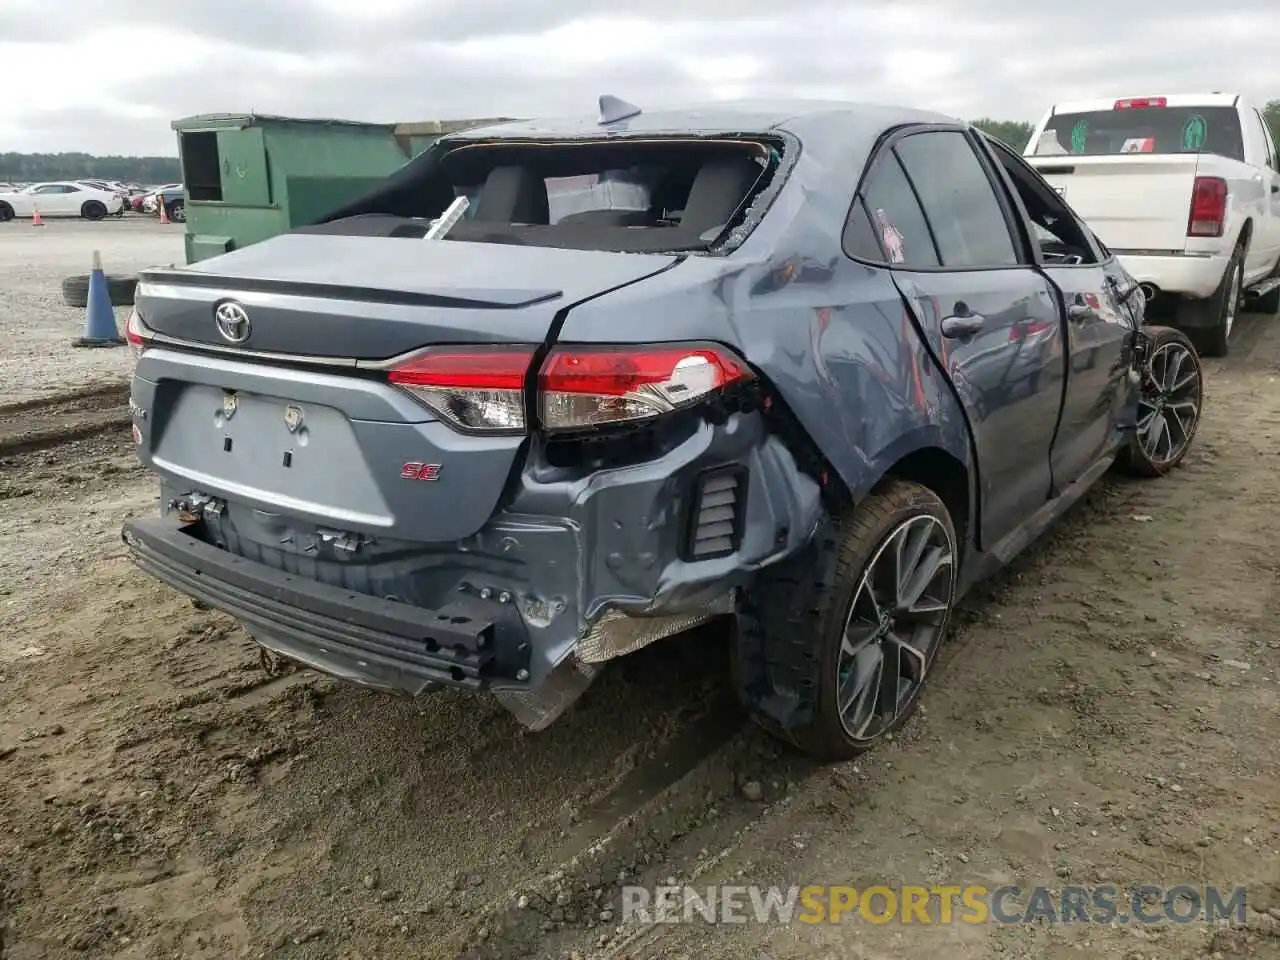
482 389
584 387
1138 103
476 389
1208 207
136 334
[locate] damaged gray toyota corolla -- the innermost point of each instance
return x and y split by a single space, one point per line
556 390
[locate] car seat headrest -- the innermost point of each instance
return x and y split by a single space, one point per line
513 195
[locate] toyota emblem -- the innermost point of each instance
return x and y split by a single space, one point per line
232 321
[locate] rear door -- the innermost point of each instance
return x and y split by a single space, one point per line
989 318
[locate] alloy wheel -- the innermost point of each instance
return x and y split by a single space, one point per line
895 625
1169 407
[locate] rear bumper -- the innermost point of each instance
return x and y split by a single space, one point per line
379 643
1188 275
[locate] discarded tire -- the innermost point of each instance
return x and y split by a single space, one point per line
75 290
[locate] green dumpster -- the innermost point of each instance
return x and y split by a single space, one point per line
248 177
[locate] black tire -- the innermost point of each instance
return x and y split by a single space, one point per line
93 210
1164 398
6 213
793 622
75 290
178 211
1212 339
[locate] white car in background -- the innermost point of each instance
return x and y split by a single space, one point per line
65 198
1184 190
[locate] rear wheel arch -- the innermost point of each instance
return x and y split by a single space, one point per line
782 621
1244 238
792 627
1246 234
945 475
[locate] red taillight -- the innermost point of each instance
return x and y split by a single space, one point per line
136 334
583 387
1208 207
476 389
480 389
1137 103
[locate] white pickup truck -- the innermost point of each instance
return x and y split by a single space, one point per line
1185 190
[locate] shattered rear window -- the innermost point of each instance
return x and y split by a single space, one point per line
622 194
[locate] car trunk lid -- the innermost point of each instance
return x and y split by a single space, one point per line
369 298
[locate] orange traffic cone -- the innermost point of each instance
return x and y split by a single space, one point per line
35 217
164 211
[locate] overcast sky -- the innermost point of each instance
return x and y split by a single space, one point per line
108 76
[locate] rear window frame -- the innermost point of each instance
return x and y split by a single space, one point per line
428 172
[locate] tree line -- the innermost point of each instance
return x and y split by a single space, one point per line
36 167
33 167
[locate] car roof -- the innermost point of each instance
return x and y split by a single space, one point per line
804 118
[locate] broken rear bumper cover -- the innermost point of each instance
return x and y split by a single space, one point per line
365 639
580 566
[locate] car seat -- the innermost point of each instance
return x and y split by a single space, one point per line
513 195
718 190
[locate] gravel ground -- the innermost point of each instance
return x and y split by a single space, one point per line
37 328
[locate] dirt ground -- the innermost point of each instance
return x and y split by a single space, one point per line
37 328
1105 713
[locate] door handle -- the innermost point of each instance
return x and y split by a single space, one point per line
966 326
1275 188
1081 311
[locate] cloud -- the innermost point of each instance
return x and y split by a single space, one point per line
109 77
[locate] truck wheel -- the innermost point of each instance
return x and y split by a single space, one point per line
842 636
1221 308
1169 405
